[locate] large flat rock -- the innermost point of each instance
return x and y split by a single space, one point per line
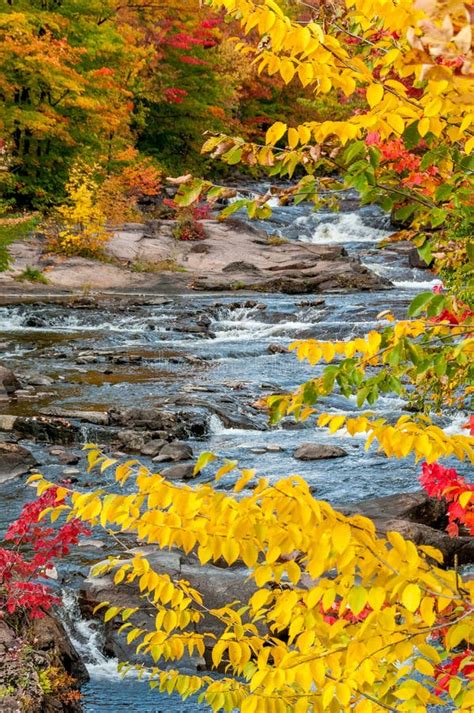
232 257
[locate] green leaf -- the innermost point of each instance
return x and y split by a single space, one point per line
188 195
232 208
362 395
405 212
396 353
444 191
374 156
438 217
357 148
425 252
411 136
437 305
232 157
419 303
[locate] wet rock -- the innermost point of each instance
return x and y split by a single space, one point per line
182 471
174 452
318 451
7 423
49 430
131 441
312 303
35 321
175 424
36 379
15 460
152 448
277 349
8 381
64 457
51 637
218 586
99 418
419 518
230 420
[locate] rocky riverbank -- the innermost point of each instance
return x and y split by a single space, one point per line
40 671
233 256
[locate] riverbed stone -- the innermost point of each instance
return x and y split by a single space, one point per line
131 441
419 518
7 422
152 448
181 471
64 457
176 451
9 383
318 451
177 424
49 430
217 585
15 460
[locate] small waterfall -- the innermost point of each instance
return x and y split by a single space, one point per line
87 639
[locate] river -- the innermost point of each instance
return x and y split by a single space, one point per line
233 362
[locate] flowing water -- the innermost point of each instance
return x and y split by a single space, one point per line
231 362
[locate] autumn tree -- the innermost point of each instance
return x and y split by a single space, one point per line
66 86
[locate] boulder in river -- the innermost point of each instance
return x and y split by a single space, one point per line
218 586
153 447
14 461
318 451
176 424
176 451
418 518
49 430
180 471
8 382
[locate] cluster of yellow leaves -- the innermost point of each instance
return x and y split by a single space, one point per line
424 439
82 217
319 56
309 563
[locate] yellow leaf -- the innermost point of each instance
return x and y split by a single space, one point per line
469 145
376 598
396 122
203 460
341 536
336 423
411 597
427 611
110 613
357 599
424 667
275 132
287 70
305 73
293 138
374 94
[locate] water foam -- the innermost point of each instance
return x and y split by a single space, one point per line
340 228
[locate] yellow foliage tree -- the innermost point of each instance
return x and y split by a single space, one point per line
83 221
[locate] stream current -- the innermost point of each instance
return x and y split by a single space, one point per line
233 362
